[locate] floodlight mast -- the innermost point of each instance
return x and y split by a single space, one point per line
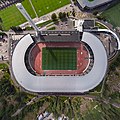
27 16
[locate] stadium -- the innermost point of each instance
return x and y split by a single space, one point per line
62 62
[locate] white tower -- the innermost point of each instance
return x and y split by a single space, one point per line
26 15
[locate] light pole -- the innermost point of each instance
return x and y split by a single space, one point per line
27 16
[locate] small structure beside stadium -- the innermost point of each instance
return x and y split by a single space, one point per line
72 61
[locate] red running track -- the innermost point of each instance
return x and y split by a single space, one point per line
82 58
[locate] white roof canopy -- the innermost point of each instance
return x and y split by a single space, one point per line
60 83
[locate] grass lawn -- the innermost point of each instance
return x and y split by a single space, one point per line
113 15
59 58
52 28
40 25
28 7
12 17
44 23
100 25
45 6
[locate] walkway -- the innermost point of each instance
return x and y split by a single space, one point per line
47 17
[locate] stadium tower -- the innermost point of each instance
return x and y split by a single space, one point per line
27 16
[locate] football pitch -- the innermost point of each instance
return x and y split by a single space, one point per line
45 6
113 15
59 58
12 17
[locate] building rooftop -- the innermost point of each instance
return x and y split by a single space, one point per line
60 36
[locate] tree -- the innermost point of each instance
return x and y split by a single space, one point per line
16 29
1 28
73 12
68 14
95 12
62 15
6 88
1 21
54 17
75 2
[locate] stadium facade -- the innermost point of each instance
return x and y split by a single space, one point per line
98 5
92 4
30 63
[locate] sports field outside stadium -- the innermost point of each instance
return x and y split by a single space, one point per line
59 58
112 15
12 17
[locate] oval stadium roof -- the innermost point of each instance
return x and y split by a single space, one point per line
60 83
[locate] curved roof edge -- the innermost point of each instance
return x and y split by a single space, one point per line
113 33
93 4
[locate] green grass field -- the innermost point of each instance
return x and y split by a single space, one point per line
28 7
45 6
12 17
113 15
59 58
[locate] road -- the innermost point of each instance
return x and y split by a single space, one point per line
35 99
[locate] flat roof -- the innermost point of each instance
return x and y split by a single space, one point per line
88 24
70 84
60 36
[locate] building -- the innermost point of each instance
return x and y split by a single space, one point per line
62 62
95 4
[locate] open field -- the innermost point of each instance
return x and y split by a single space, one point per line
113 15
28 7
12 17
59 58
45 6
